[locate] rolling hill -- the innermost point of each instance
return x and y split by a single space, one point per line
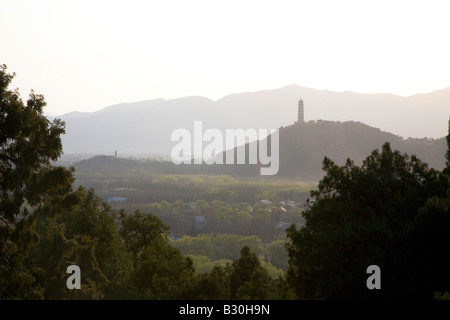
302 149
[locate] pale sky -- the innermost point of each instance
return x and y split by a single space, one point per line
86 55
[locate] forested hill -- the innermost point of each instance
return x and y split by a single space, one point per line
302 149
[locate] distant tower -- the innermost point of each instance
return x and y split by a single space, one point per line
301 114
115 154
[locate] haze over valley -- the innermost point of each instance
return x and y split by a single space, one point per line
357 124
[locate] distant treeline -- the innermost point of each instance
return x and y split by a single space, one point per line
208 250
153 181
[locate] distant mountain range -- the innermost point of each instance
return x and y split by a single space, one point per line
144 128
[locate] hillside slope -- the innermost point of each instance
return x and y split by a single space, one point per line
302 149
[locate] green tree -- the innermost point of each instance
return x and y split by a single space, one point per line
29 185
87 236
262 216
277 254
140 231
28 142
94 220
159 269
364 215
204 264
161 272
225 215
200 205
249 280
214 285
254 243
243 216
431 234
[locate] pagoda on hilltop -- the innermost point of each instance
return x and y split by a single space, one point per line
301 113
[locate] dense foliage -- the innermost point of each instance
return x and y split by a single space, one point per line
46 226
390 211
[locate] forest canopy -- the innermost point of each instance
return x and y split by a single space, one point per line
391 211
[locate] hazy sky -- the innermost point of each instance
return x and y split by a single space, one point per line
86 55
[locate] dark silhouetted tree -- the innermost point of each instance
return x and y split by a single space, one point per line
371 215
249 280
29 185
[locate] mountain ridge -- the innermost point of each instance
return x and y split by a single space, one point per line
444 90
145 127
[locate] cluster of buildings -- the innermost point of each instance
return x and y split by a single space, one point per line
286 205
